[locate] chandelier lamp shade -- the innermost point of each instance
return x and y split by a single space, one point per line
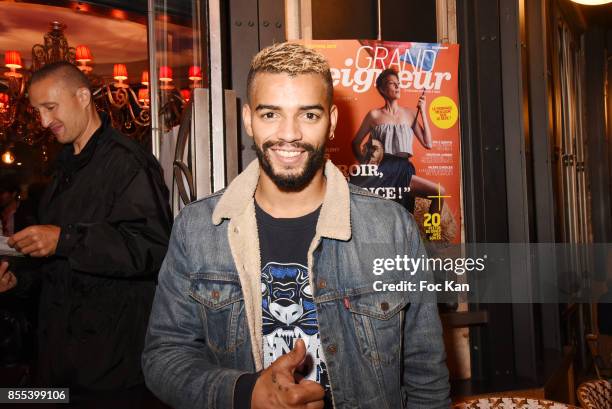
195 73
144 78
165 74
143 96
83 54
120 72
12 60
186 95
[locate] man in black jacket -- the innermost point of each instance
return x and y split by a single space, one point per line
105 225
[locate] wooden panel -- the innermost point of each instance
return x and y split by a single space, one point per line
446 21
216 95
271 22
306 19
244 44
200 143
482 141
232 151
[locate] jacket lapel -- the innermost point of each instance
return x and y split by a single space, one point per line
244 245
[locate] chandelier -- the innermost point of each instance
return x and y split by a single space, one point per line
127 106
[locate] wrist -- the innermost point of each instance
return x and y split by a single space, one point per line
243 391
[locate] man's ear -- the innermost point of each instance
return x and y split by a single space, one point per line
246 119
83 94
333 119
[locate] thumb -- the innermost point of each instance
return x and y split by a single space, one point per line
293 359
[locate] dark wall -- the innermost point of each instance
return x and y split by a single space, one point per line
409 20
343 19
402 20
609 105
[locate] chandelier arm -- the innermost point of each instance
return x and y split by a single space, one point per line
121 98
109 94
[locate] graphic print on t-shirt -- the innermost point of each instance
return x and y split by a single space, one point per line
289 314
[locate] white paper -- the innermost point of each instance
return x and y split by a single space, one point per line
5 250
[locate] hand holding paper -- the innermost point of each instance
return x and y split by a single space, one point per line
6 250
36 241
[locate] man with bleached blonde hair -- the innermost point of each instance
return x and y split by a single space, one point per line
266 298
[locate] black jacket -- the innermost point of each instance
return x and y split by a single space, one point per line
112 206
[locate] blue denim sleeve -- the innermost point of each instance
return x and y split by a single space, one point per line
425 375
178 366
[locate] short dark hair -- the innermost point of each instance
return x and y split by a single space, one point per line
383 76
64 71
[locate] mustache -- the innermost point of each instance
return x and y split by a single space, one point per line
299 145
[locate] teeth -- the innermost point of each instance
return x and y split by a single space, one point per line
288 154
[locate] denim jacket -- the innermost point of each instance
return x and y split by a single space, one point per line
383 350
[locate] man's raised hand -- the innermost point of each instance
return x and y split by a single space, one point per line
277 387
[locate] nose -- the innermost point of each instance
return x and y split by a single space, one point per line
45 119
289 130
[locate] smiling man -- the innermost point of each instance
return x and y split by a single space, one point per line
263 301
103 232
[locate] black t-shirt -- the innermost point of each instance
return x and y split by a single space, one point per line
288 309
285 240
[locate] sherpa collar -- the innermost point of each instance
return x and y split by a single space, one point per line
334 219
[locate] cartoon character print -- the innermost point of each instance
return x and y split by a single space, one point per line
289 314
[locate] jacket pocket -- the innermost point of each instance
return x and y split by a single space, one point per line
377 320
222 309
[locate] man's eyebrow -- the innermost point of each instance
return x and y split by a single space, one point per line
270 107
309 107
43 104
278 108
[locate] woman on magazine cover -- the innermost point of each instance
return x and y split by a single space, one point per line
395 127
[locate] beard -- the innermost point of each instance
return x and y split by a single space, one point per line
292 182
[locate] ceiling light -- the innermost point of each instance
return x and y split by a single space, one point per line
592 2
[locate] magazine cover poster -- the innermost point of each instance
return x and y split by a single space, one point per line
398 127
